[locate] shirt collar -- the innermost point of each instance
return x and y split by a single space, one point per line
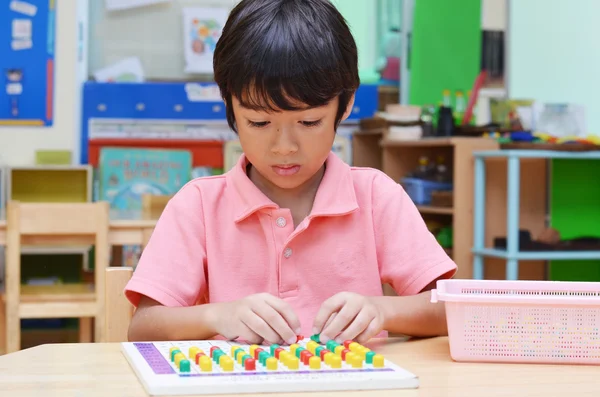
335 195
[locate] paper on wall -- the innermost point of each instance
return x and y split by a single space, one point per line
202 29
126 70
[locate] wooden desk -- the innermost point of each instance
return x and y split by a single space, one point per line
100 370
125 228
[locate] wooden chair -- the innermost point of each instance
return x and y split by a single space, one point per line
118 309
55 224
154 204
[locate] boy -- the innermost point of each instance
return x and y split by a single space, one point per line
291 240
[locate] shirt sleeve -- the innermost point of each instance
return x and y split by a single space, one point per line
409 256
171 269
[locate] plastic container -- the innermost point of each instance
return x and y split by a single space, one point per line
544 322
419 190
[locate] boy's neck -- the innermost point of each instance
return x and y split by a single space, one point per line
300 198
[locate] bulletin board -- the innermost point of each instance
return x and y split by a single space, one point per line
27 32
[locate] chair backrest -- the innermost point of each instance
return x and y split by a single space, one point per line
118 310
56 224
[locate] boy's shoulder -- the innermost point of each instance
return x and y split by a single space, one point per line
372 179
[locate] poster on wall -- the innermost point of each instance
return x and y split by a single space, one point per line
118 5
202 27
27 31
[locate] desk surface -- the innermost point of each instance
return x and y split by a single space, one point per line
100 370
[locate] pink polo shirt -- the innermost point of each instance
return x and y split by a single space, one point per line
221 239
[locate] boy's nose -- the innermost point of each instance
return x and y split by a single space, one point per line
284 143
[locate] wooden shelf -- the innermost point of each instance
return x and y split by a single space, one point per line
430 142
424 209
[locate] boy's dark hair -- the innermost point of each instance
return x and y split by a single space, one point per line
277 54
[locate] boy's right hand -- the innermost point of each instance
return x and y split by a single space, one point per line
258 318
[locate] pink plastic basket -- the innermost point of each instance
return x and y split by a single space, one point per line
522 321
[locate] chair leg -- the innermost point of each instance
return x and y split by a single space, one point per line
3 332
85 329
13 331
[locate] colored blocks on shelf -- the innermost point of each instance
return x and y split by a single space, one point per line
271 363
314 362
205 364
184 365
378 361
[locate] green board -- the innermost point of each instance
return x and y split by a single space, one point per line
575 212
446 48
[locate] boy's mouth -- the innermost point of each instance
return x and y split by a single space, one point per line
286 169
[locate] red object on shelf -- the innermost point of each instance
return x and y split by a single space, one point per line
204 153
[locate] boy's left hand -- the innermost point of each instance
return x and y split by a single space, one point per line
348 316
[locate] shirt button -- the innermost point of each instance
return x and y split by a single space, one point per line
287 252
281 222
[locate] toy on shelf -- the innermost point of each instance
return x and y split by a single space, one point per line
224 367
427 178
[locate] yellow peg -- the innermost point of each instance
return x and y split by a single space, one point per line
205 364
335 362
378 361
314 362
193 351
271 363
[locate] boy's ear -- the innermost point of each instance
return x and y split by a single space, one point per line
348 108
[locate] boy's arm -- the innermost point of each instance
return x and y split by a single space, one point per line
411 261
170 276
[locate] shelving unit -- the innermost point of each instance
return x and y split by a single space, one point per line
401 157
512 255
49 183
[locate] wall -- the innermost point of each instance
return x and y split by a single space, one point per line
18 144
557 61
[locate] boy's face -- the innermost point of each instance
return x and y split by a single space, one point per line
287 148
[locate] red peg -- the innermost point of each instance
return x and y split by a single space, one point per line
344 352
278 351
249 364
347 343
323 353
305 356
198 355
257 352
212 350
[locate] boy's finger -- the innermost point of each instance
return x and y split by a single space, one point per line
287 313
356 327
370 332
324 315
277 322
259 326
343 318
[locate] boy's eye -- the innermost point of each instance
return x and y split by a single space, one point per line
258 124
311 123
